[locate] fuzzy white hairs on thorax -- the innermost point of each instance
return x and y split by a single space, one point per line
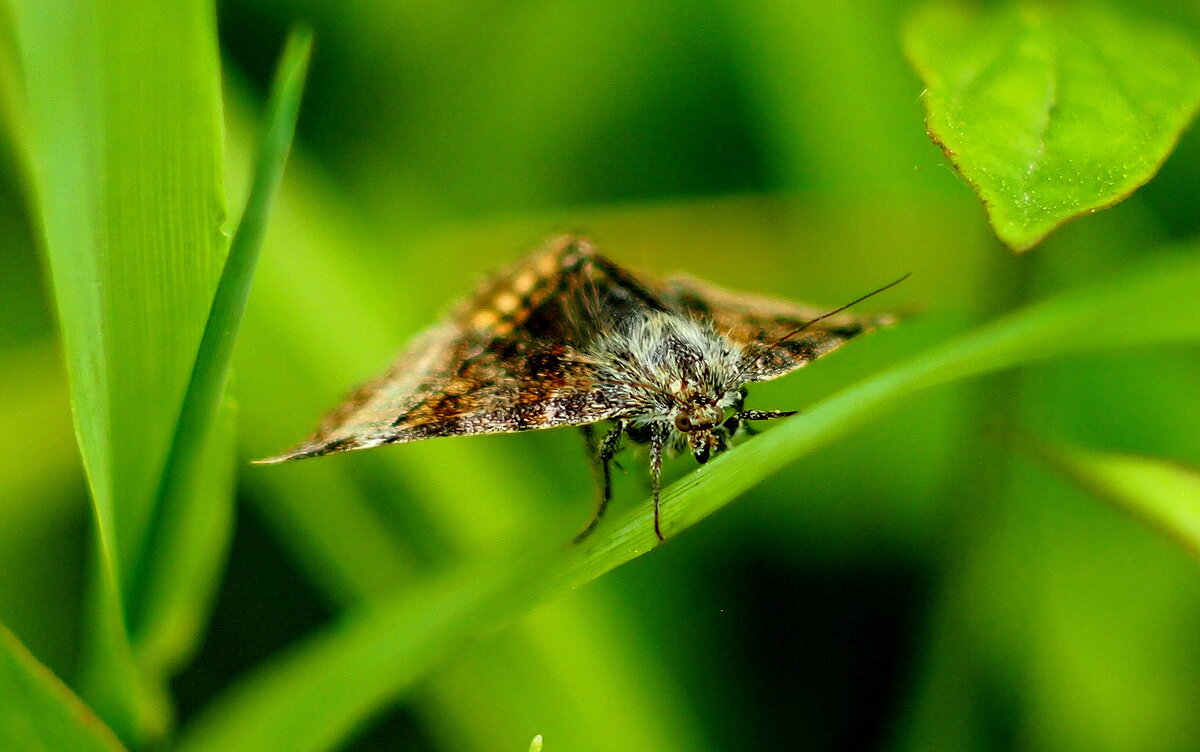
677 356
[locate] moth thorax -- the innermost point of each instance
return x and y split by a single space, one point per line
681 355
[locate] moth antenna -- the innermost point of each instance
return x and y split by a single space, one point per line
836 311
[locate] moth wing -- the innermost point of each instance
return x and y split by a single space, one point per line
508 360
766 329
425 395
563 293
369 410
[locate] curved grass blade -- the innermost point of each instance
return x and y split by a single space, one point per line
151 592
1162 494
375 654
38 713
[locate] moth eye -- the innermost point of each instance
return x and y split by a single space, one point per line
683 422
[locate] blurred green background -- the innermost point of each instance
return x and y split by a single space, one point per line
925 584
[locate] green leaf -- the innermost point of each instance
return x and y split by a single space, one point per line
185 553
121 128
374 654
37 711
179 514
1051 111
1163 494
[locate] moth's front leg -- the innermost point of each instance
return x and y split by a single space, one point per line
658 442
602 471
741 419
593 452
764 414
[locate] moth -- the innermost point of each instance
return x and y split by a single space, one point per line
566 337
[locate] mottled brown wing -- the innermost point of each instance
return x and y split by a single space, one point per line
508 360
772 334
564 293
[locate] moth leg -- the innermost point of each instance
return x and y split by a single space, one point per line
741 419
658 441
593 455
764 414
722 442
589 441
602 472
733 424
736 422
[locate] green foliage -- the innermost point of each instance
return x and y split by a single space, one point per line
1051 111
122 139
376 654
1164 494
894 521
171 535
39 713
132 202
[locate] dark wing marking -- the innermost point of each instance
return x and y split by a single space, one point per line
508 360
761 326
564 294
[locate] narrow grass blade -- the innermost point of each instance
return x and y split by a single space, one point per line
169 532
375 654
118 103
1162 494
190 538
38 713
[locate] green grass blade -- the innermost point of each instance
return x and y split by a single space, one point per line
38 713
1051 111
375 654
169 530
120 120
13 128
1162 494
190 536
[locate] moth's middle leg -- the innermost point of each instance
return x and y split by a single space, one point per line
602 460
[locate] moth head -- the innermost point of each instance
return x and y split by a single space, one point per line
700 420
